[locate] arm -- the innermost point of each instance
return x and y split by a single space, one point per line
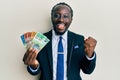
88 64
89 60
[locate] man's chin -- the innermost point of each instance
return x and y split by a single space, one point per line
59 33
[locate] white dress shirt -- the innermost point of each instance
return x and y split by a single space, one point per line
55 40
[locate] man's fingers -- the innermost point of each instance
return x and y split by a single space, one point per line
30 56
90 41
27 53
90 37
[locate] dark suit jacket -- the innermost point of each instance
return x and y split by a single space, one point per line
76 59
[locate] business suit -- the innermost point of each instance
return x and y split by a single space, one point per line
76 58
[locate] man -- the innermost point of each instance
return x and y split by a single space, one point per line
78 52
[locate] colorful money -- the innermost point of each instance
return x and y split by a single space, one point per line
34 39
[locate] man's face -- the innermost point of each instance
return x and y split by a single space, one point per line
61 19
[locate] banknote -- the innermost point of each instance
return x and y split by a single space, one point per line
23 39
39 41
26 38
34 39
33 34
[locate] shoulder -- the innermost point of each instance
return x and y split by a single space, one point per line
77 38
48 34
75 35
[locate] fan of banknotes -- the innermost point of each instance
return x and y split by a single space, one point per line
34 39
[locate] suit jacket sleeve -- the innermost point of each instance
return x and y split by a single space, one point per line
35 72
88 66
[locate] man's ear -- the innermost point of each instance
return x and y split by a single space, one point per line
71 19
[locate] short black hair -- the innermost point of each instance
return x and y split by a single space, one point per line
62 3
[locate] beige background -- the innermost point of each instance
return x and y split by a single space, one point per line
97 18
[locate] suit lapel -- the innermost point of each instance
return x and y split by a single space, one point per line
70 48
49 50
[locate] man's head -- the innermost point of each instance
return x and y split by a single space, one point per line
61 16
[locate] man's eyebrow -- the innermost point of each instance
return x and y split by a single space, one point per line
59 13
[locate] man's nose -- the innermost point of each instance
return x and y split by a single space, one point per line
61 19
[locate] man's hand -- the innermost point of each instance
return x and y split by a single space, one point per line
30 58
89 45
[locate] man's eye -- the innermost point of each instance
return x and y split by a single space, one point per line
56 16
65 16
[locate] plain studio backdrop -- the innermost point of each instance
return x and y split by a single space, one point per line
97 18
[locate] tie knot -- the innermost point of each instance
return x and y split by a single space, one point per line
60 37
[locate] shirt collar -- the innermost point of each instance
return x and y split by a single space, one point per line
64 36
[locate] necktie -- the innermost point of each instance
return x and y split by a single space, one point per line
60 61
